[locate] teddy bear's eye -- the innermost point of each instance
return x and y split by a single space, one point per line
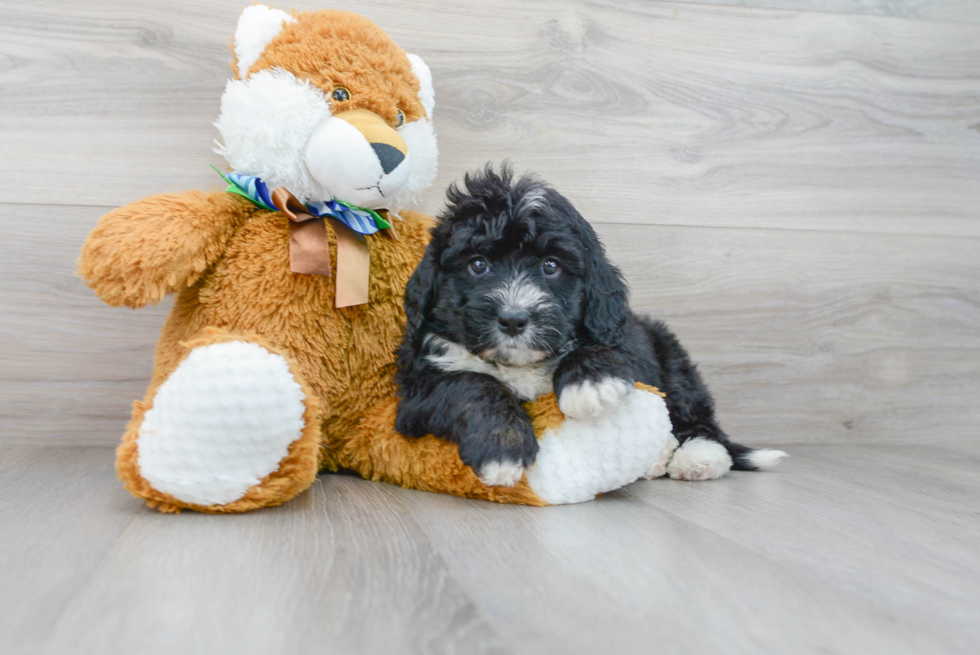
399 118
340 94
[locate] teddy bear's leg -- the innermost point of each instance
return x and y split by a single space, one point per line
233 428
376 451
659 468
578 458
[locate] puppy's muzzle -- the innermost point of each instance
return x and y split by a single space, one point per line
512 321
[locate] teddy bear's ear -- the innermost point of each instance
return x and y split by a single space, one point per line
257 26
427 95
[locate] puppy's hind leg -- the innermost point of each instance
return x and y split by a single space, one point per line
699 458
705 453
709 458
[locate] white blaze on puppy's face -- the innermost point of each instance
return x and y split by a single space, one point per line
519 295
531 201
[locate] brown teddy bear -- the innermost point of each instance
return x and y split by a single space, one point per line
277 359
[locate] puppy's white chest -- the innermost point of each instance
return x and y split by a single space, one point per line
527 382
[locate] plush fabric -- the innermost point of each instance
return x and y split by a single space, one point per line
227 259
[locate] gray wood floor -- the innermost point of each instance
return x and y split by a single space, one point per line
793 184
845 549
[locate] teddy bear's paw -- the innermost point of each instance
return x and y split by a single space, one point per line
221 422
584 400
699 459
583 457
659 468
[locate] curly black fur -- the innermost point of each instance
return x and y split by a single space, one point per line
579 325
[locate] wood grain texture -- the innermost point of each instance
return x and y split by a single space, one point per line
818 336
956 11
844 549
803 336
844 129
359 578
678 114
794 191
70 366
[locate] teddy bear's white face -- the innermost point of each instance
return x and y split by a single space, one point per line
284 130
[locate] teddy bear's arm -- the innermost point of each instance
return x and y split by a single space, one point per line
139 253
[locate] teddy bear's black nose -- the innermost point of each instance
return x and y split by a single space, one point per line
389 156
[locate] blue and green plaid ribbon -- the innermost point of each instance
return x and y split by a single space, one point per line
359 219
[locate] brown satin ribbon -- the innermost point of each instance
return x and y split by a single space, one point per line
353 265
309 250
388 231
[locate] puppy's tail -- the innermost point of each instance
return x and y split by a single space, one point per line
753 459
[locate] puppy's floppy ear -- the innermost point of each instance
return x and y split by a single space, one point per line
420 294
606 312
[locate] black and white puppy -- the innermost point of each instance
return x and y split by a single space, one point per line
515 298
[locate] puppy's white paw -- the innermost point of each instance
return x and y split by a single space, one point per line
501 474
659 468
583 400
699 459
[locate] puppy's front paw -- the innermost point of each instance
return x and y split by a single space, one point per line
592 399
499 452
501 474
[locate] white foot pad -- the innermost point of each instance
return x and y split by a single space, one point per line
220 423
585 457
699 459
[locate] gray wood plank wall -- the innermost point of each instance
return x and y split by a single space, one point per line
794 185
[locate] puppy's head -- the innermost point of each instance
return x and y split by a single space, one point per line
514 274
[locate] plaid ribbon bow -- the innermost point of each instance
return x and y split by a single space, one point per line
309 244
359 219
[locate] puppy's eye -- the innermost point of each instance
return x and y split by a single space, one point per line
478 266
400 118
340 94
550 267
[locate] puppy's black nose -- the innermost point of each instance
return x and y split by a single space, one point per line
512 322
389 156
